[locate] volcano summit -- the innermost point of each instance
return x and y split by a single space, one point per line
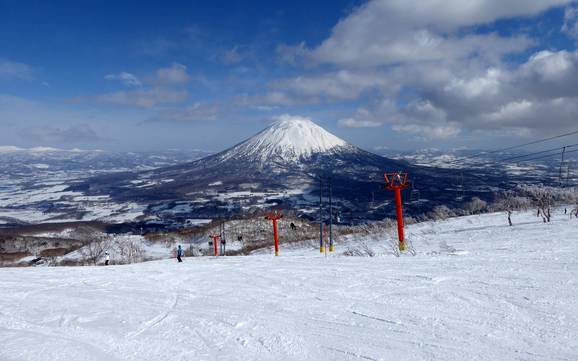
278 167
288 140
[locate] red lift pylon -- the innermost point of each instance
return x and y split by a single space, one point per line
396 182
215 238
274 217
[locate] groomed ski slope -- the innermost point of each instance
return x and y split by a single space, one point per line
476 290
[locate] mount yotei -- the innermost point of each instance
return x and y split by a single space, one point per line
278 167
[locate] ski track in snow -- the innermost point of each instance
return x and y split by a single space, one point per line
474 291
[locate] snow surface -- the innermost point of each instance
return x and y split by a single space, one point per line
290 137
475 290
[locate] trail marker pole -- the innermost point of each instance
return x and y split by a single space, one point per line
396 182
220 235
222 238
320 215
326 243
215 238
330 216
274 217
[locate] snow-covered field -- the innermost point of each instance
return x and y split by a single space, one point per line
33 183
475 290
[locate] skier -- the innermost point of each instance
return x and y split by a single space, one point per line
179 253
106 258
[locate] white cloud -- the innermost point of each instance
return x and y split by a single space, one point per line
144 98
73 134
424 119
486 84
515 110
392 31
355 123
14 70
548 74
234 55
291 54
427 131
271 99
540 95
198 112
363 118
570 26
414 46
175 74
164 87
127 79
343 84
422 67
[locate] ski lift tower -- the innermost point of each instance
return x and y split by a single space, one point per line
396 182
215 238
274 217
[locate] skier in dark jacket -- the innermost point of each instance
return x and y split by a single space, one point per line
180 253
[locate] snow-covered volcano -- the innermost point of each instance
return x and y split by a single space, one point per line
278 167
290 139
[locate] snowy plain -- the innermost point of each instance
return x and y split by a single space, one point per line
476 289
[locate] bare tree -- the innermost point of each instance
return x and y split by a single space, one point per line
130 250
475 205
544 199
361 250
509 202
96 247
441 212
545 202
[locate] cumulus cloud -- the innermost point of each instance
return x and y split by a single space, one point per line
343 84
423 67
385 32
548 74
363 118
14 70
418 45
174 74
125 78
540 95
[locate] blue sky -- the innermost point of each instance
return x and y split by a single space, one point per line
144 75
